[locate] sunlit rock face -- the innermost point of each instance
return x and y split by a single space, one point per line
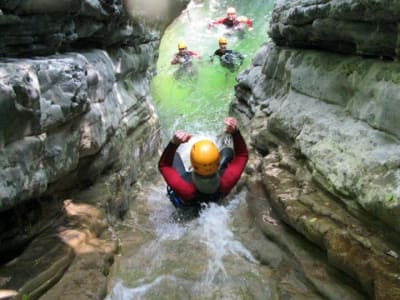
325 135
355 26
74 103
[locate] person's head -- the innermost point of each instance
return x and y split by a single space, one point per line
231 13
205 159
223 42
181 47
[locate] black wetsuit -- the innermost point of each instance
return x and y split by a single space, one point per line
220 53
228 58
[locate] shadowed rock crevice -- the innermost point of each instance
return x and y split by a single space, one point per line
71 243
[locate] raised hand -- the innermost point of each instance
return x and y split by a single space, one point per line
180 137
231 124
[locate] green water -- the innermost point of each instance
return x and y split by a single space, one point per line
199 103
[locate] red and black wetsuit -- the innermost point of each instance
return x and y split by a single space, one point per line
230 22
234 22
187 55
186 190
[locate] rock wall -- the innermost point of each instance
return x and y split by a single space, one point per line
348 26
33 27
74 105
324 129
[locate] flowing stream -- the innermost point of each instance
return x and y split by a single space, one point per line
165 255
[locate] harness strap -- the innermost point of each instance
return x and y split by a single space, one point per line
175 200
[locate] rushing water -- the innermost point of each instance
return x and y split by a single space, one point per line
166 256
193 259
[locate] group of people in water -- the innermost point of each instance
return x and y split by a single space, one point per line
228 58
213 172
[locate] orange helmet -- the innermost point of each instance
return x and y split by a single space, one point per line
205 158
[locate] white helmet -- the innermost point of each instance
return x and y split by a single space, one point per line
231 10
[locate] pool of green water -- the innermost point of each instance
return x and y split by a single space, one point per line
200 102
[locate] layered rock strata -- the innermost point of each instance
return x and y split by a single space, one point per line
365 27
325 130
74 106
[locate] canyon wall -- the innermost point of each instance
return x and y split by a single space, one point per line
322 100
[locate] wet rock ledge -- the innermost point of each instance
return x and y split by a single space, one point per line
322 103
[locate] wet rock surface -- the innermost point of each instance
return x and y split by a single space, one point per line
353 27
31 27
350 157
74 106
345 256
73 243
322 168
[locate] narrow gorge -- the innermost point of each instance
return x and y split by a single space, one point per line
80 137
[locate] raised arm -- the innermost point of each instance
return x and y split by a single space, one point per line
216 22
247 21
236 167
183 189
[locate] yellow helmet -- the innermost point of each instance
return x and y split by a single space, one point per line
223 40
231 10
205 158
181 45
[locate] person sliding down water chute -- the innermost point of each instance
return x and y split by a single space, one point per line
214 173
228 58
232 21
184 56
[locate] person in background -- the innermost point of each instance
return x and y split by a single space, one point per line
214 173
228 58
232 21
184 56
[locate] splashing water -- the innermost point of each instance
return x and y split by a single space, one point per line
214 232
197 256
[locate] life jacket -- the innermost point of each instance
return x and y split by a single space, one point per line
232 60
186 56
229 58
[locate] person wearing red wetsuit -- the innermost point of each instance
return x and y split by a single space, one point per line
233 21
184 56
214 173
